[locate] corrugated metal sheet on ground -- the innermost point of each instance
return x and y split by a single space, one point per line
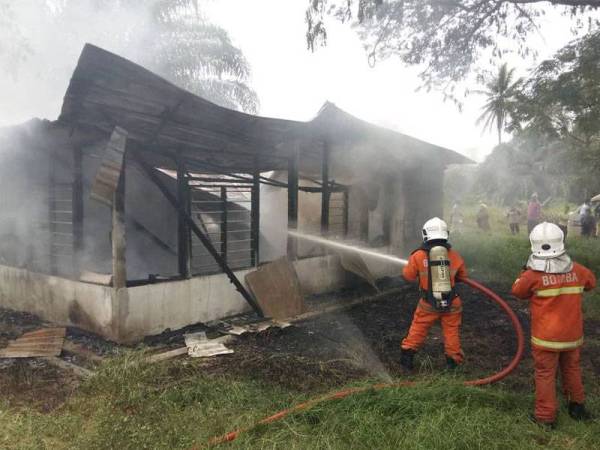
259 327
199 346
45 342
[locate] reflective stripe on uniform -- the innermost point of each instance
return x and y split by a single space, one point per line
559 291
554 345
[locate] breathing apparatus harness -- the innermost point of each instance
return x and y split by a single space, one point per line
440 293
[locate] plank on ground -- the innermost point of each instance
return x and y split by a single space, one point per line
66 365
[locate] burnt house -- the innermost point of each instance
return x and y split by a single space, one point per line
142 207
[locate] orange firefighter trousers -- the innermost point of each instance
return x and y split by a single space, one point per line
422 322
546 363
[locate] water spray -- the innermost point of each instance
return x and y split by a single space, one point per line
347 247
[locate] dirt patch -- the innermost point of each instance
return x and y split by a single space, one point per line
32 382
364 341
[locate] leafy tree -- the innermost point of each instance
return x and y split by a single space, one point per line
501 103
561 101
562 98
526 164
446 37
556 150
170 37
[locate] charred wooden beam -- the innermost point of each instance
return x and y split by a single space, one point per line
51 204
325 192
332 184
292 243
183 231
77 208
388 196
273 182
346 212
203 238
255 220
119 266
224 223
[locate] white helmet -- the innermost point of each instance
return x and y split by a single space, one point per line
547 240
435 228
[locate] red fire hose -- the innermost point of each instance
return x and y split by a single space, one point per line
345 393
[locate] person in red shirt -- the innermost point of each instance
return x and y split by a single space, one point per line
436 303
554 285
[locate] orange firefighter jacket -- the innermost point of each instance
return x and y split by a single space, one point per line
417 268
555 304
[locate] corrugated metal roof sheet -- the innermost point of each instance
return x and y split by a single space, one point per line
107 90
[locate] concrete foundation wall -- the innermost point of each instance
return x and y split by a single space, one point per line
129 314
62 301
153 308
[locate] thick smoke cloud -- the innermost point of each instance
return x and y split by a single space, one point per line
41 41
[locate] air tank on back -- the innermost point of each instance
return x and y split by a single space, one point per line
441 285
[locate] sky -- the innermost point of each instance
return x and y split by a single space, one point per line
291 82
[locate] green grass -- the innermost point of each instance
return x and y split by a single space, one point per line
439 415
131 405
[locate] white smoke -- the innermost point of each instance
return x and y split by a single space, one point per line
51 38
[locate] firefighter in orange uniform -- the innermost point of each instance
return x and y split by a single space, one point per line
554 284
437 267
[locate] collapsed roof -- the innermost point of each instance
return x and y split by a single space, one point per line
164 120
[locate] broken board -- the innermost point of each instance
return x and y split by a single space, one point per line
108 175
46 342
276 288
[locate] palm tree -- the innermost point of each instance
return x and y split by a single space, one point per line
501 93
184 47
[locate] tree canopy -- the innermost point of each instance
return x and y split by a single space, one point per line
556 145
562 98
445 37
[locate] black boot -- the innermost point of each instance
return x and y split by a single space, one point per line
545 425
407 357
577 411
451 364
